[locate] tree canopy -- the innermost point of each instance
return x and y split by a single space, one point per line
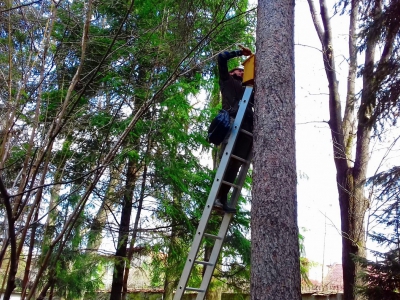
101 133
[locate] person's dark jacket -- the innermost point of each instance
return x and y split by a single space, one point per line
231 88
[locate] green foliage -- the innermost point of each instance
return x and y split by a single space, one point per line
80 275
305 264
17 156
381 278
51 104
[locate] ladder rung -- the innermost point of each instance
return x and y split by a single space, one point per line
230 184
246 132
195 290
211 236
206 263
239 159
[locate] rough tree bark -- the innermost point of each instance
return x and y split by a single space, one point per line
275 266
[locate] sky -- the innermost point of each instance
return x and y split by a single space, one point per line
318 209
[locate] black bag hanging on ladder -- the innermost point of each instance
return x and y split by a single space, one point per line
219 128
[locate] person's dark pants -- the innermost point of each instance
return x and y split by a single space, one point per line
242 149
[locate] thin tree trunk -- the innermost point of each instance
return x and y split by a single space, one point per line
359 203
170 280
26 168
349 119
125 271
3 283
46 287
123 233
11 110
25 281
5 243
13 243
36 203
275 272
51 292
134 235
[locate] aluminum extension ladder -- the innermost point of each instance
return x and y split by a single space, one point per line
227 217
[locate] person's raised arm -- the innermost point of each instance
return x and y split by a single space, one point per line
223 58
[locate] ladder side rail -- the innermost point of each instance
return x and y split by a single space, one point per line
211 198
245 166
236 193
222 232
214 257
205 216
228 149
227 154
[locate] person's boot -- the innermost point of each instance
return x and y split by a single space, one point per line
222 204
218 205
228 209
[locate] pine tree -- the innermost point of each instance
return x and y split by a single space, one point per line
381 278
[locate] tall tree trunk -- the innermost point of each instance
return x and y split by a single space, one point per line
6 241
123 233
25 281
46 287
134 234
275 272
6 199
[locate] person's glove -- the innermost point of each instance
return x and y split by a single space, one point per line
245 51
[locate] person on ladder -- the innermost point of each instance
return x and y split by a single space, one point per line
230 83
